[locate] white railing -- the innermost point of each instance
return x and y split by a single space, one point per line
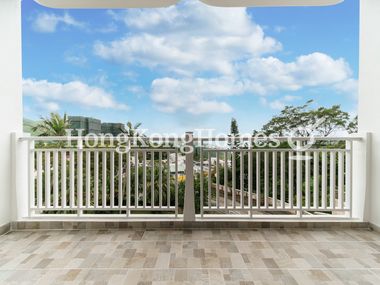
281 182
91 181
232 181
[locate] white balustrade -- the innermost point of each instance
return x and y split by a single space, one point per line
243 181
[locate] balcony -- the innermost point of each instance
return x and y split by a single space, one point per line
224 214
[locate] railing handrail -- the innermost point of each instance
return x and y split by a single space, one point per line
353 137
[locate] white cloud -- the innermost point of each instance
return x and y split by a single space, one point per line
279 29
50 94
137 90
48 22
270 74
49 106
349 86
279 104
110 28
212 53
188 38
194 96
259 76
78 60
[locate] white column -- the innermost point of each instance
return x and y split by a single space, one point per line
369 100
10 97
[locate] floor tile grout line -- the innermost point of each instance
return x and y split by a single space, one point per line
194 268
195 240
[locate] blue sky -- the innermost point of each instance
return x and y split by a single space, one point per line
189 66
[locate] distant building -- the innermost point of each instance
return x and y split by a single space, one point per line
88 125
94 126
112 128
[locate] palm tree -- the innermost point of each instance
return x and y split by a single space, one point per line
131 130
55 125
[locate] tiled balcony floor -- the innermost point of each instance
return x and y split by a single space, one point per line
294 256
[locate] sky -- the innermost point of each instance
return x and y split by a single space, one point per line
189 66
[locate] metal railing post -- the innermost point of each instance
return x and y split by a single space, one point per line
31 191
80 178
189 203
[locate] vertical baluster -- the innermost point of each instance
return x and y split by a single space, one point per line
128 180
120 181
242 179
96 179
340 179
136 179
39 179
88 179
55 179
282 186
201 180
299 177
63 179
233 179
348 190
72 179
217 179
160 178
47 179
250 171
144 178
291 182
209 180
258 179
168 181
274 179
152 180
266 179
316 180
324 179
225 179
332 179
80 177
307 180
176 184
112 179
104 178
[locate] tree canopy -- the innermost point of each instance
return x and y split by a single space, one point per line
55 125
304 121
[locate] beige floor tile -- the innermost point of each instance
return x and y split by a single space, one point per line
265 256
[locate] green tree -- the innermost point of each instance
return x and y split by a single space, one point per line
304 120
234 132
55 125
353 126
234 129
131 130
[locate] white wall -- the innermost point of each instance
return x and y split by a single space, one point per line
369 97
10 96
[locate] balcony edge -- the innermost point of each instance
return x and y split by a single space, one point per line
106 225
